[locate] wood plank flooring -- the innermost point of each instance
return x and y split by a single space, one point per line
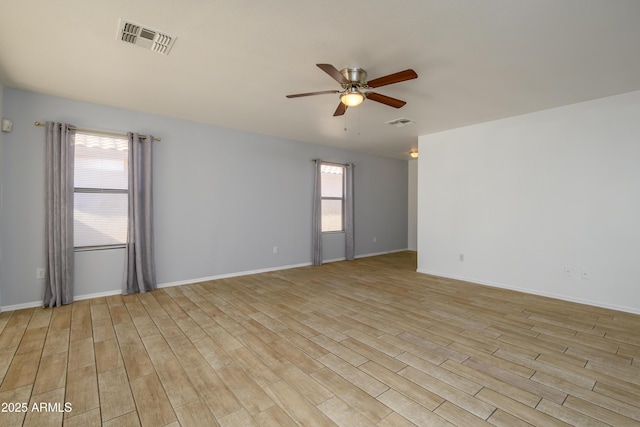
362 343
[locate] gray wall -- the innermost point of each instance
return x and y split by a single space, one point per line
223 199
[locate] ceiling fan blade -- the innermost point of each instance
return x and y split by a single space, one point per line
340 110
398 77
387 100
324 92
333 72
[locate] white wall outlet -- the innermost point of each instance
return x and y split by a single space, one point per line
586 275
40 273
275 249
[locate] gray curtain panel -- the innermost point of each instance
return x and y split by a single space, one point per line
348 213
59 214
140 269
316 219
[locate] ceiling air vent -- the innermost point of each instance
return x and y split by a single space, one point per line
157 41
401 122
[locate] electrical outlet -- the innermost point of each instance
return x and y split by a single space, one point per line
275 249
586 275
40 273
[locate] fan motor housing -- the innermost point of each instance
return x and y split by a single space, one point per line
355 75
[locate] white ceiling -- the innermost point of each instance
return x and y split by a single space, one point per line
234 61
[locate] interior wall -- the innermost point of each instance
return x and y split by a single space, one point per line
223 199
1 181
546 203
412 186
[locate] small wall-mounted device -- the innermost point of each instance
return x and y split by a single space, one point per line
7 125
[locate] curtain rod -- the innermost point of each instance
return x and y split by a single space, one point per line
99 132
333 163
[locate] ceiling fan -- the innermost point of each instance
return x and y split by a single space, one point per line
355 87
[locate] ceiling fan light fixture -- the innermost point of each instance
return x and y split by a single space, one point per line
352 98
355 87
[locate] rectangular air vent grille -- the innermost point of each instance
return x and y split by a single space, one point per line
401 122
148 38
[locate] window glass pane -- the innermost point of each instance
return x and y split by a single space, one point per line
100 162
332 215
99 219
332 183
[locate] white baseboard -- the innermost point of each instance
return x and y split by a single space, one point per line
382 253
75 298
97 295
228 275
366 255
264 270
533 292
189 281
160 285
21 306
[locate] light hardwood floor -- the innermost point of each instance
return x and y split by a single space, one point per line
363 343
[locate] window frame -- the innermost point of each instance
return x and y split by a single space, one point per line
90 190
341 199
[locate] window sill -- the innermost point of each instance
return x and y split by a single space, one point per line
98 248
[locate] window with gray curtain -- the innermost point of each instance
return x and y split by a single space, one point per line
89 205
333 207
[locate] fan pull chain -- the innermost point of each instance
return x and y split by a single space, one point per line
346 128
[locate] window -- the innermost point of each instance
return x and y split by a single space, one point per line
332 184
101 182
